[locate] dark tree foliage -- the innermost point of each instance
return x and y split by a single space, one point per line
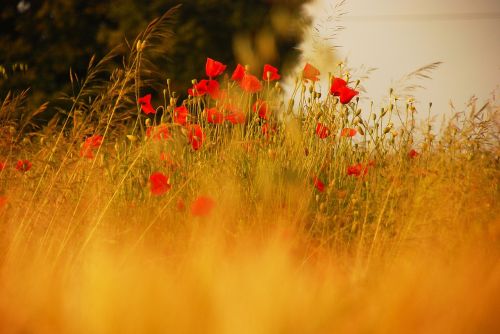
52 36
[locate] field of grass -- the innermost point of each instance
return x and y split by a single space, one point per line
245 211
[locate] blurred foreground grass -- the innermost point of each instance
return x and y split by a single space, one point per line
316 216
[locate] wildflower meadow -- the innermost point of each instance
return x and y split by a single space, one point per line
241 207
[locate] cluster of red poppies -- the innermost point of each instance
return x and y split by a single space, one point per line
160 184
247 82
21 165
211 87
90 145
322 131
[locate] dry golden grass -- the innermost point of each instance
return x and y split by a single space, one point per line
411 247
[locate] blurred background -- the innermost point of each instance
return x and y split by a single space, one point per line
41 40
47 38
397 37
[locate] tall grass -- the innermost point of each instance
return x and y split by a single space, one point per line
409 245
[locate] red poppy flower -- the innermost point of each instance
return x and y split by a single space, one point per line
196 136
159 183
158 132
357 170
3 165
3 201
23 165
146 106
413 154
236 117
346 94
94 141
239 73
180 115
261 108
202 206
319 184
91 143
322 131
214 68
337 84
214 116
310 72
270 73
205 86
213 89
250 84
199 89
347 132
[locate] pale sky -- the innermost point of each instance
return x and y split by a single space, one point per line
398 36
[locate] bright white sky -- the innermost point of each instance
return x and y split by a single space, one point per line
376 35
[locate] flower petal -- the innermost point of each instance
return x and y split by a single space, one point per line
202 206
250 84
270 73
310 72
214 68
159 183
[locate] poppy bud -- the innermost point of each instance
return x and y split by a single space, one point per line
356 120
132 138
194 81
360 130
147 122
